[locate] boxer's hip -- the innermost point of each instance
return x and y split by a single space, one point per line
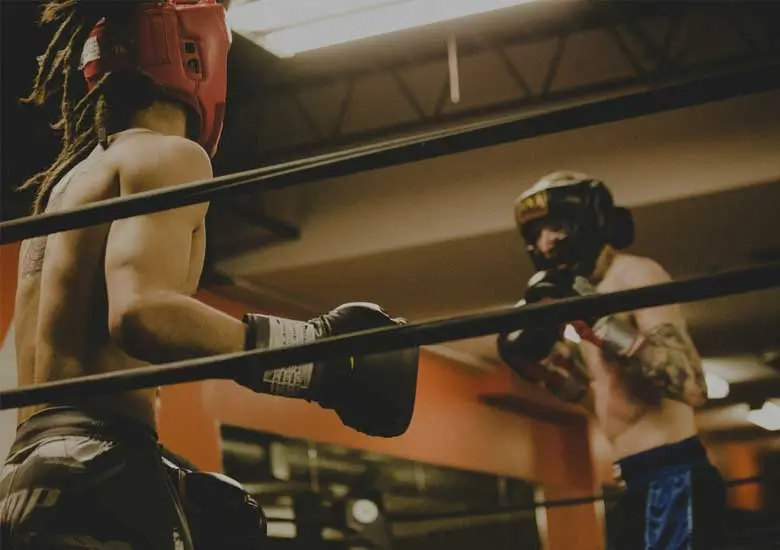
674 498
73 423
640 469
73 474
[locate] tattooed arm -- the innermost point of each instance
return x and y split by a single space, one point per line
657 354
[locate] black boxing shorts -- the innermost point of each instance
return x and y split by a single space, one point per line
674 499
73 480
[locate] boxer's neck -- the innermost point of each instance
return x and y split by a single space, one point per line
165 118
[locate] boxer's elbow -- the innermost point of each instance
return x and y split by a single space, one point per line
133 326
128 326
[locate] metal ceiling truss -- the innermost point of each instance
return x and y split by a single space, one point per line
649 48
644 49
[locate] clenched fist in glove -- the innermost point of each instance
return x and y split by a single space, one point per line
220 514
530 345
530 351
609 333
555 284
373 394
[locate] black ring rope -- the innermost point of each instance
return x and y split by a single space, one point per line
551 503
416 334
374 156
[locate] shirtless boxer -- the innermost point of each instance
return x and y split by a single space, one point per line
639 373
142 91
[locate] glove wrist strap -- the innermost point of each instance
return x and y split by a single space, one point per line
269 332
618 336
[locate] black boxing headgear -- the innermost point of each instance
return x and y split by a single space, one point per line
583 208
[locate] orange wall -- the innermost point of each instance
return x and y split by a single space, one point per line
9 260
737 461
9 263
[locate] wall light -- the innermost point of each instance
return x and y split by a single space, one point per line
292 27
767 417
717 387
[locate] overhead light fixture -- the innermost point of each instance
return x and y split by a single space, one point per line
289 27
717 387
264 16
767 417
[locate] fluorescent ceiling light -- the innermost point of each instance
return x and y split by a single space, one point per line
767 417
264 16
355 19
717 387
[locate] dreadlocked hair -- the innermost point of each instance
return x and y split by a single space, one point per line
85 117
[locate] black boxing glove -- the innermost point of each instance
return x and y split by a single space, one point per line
531 354
373 394
609 332
523 348
556 284
220 514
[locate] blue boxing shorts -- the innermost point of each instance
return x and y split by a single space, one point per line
674 499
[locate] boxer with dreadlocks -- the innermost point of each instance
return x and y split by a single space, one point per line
89 472
142 88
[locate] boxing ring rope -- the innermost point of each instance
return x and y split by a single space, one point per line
552 503
743 538
399 337
414 148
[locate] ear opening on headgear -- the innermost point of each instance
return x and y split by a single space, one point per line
622 228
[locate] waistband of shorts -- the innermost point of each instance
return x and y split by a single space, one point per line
645 465
71 421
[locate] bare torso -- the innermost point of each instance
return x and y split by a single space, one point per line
629 423
61 321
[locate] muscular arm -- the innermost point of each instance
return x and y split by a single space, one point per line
666 360
148 265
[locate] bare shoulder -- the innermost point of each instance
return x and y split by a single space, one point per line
153 161
631 271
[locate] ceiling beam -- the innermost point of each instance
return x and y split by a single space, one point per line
300 114
507 129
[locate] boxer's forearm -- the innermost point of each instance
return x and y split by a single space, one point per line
664 357
166 327
668 351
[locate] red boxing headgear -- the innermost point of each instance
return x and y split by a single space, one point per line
182 45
